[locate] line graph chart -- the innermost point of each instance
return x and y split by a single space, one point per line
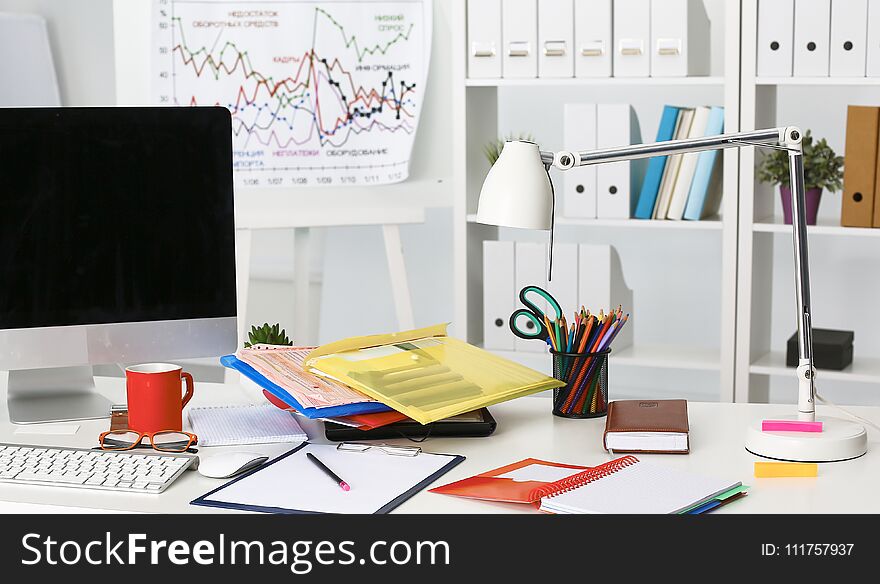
320 93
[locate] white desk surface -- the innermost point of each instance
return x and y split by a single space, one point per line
526 428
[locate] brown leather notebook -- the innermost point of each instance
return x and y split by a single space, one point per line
647 426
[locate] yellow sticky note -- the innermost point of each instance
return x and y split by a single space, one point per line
769 470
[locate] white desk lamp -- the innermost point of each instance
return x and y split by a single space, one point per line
517 193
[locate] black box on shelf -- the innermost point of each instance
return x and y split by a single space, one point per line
831 349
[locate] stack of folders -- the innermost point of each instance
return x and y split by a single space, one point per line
370 382
861 179
684 186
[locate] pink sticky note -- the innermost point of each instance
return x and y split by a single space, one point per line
790 426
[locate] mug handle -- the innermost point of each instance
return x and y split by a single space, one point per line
190 387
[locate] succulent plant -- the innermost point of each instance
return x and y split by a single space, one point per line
267 335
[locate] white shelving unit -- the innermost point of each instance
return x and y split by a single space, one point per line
760 357
477 104
599 82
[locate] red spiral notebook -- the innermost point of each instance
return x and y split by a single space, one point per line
622 485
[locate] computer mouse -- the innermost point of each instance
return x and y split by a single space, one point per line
228 464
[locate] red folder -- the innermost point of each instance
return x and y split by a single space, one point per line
361 421
491 486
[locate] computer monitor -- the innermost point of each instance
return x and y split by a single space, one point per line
117 245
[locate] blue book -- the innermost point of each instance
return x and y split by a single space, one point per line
699 204
656 166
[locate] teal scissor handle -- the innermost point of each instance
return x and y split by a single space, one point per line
534 315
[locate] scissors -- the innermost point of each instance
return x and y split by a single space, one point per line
535 323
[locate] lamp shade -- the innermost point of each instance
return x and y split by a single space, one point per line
517 190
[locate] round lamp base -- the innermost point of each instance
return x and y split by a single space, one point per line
838 440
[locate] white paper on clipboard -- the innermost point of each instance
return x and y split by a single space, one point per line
293 483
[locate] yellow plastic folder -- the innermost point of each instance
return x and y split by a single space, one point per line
425 374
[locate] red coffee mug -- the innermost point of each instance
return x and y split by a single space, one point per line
154 400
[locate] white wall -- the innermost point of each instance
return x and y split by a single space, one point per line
81 34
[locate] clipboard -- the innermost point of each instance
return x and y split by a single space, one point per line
291 484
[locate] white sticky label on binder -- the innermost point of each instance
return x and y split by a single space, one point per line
631 47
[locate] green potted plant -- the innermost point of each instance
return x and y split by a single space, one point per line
823 170
492 150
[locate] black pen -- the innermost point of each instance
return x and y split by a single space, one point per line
343 485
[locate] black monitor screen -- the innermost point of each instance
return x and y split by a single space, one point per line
114 215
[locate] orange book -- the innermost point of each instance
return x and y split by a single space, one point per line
860 169
521 482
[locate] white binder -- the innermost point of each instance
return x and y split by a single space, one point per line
632 35
484 38
499 294
530 270
579 184
618 182
519 33
555 38
564 283
812 35
679 38
601 286
849 35
873 60
775 38
592 38
685 177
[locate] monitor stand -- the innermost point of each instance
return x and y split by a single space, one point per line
60 394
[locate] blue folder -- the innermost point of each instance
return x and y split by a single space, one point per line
656 166
232 362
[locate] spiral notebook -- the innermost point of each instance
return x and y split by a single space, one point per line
244 424
623 485
628 485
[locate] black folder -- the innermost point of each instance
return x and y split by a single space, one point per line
484 426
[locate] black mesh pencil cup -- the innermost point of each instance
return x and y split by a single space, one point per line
585 393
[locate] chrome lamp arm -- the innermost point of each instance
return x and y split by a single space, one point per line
788 139
518 193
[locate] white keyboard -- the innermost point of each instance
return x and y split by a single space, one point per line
131 471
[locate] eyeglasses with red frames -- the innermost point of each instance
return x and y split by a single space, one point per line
163 441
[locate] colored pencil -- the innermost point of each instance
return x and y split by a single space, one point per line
550 332
593 346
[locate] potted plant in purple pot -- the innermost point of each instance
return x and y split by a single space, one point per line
823 170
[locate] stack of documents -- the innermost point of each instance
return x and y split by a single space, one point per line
425 374
279 371
421 374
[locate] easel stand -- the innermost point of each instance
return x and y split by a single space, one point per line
302 222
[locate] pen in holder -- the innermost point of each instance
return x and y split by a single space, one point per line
585 394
